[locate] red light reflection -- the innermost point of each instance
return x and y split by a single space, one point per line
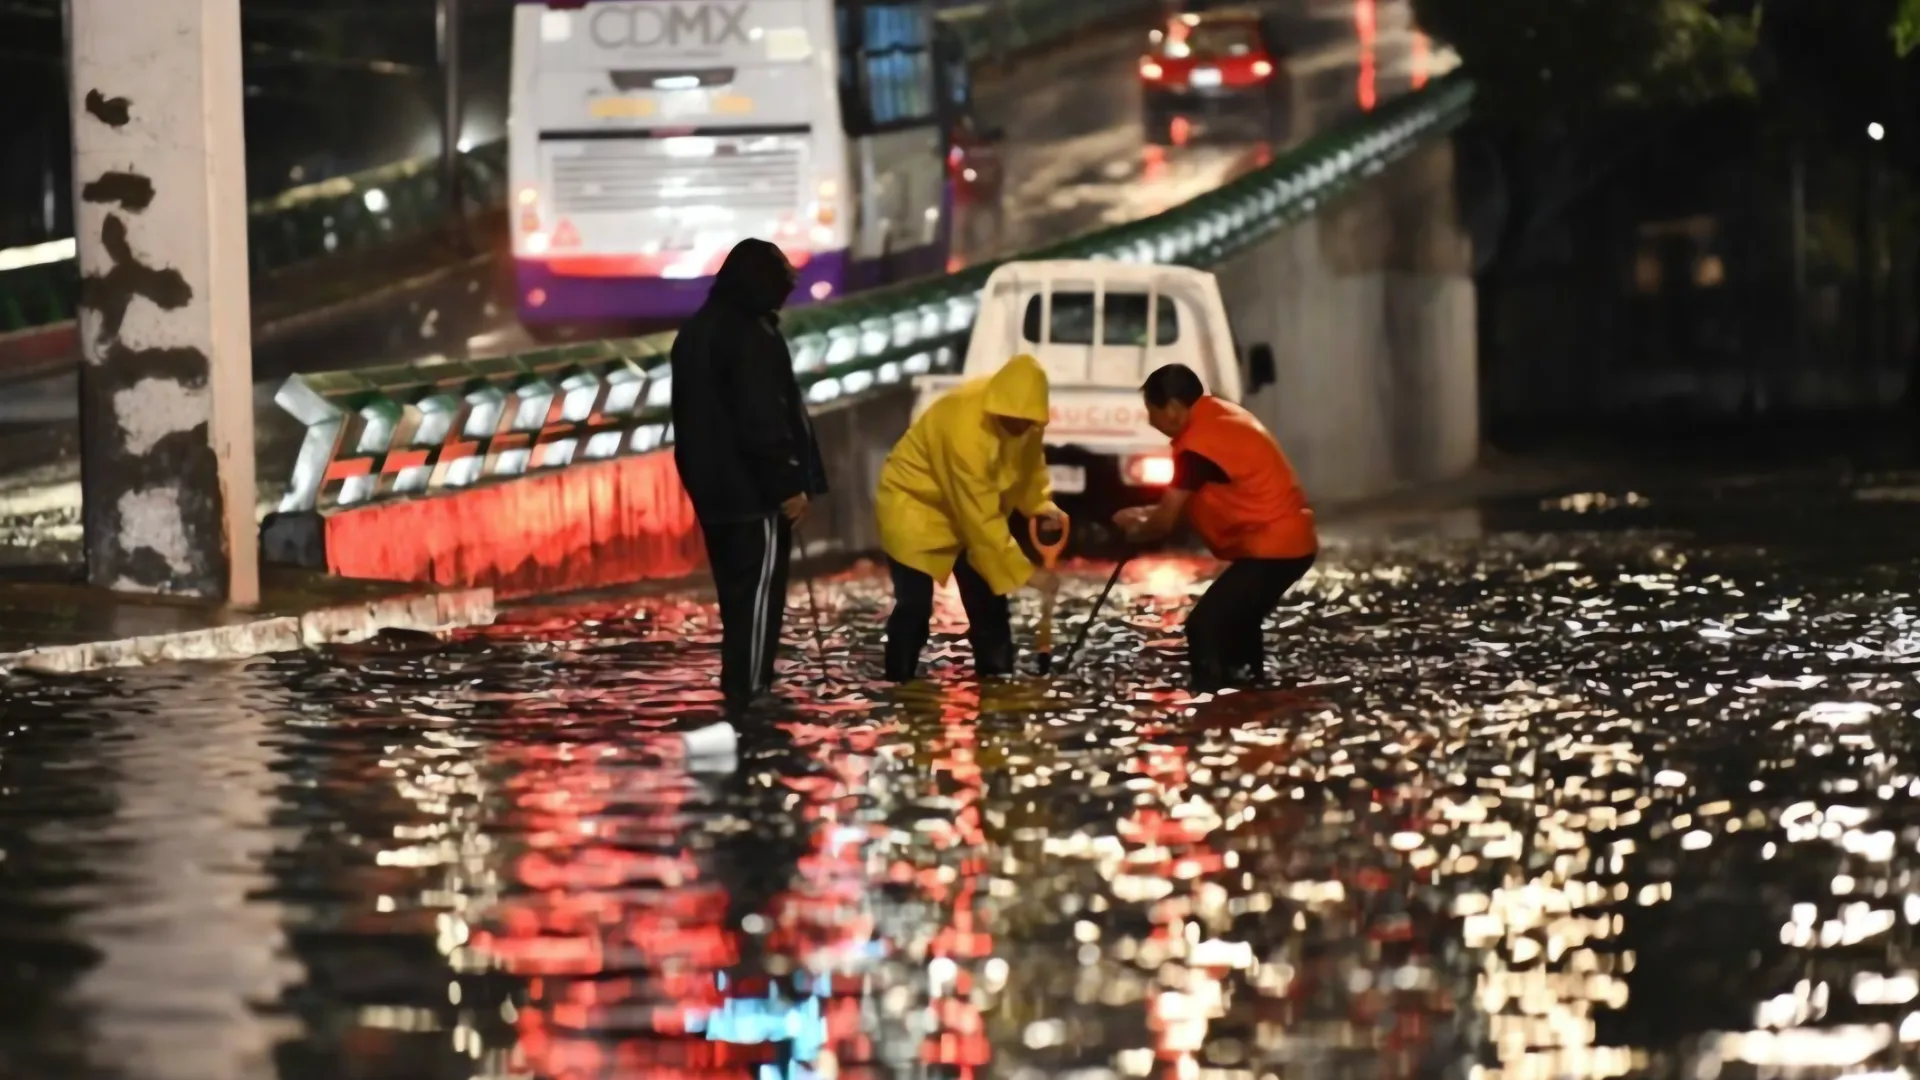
635 965
1366 26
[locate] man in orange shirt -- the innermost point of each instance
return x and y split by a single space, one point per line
1237 488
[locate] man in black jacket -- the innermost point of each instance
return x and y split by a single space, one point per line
747 456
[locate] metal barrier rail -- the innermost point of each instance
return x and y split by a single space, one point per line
383 433
358 212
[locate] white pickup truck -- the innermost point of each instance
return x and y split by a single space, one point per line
1099 328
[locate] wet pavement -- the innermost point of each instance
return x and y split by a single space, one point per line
1610 783
1075 157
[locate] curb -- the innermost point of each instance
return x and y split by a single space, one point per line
341 624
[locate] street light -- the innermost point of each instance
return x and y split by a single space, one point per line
1876 132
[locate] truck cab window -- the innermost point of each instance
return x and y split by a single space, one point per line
1126 321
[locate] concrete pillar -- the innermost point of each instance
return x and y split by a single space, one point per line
166 405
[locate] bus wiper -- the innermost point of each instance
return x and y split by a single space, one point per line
671 78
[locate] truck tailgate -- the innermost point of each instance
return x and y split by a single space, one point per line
1103 418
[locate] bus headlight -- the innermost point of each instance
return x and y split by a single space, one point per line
826 205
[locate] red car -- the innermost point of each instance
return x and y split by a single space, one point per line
974 164
1217 66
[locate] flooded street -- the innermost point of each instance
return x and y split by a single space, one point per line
1614 784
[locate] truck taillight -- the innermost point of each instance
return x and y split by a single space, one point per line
1151 71
1149 470
1262 68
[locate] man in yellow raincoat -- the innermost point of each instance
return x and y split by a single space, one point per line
972 459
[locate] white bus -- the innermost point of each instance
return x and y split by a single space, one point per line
647 137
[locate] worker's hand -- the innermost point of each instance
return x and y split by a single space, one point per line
1044 581
796 509
1133 519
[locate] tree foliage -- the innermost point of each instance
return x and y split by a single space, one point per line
1906 27
1554 60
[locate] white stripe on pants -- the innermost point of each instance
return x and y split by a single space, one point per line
760 603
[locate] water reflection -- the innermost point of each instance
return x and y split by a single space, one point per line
1541 804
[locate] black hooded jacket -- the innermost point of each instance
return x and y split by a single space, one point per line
742 439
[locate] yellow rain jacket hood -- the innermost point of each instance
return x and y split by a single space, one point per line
951 481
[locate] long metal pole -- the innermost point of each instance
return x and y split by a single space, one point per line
813 604
1081 638
451 117
1801 345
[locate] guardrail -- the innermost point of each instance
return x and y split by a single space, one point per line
369 209
385 433
349 213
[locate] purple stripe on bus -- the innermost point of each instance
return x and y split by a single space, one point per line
586 299
591 299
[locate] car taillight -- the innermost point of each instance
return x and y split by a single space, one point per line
1149 470
1151 71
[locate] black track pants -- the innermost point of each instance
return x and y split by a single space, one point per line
989 621
750 562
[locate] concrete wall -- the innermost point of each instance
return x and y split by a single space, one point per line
855 438
1369 308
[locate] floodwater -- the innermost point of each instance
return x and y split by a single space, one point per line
1616 784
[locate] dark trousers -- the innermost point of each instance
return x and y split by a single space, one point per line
1226 643
989 621
750 561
